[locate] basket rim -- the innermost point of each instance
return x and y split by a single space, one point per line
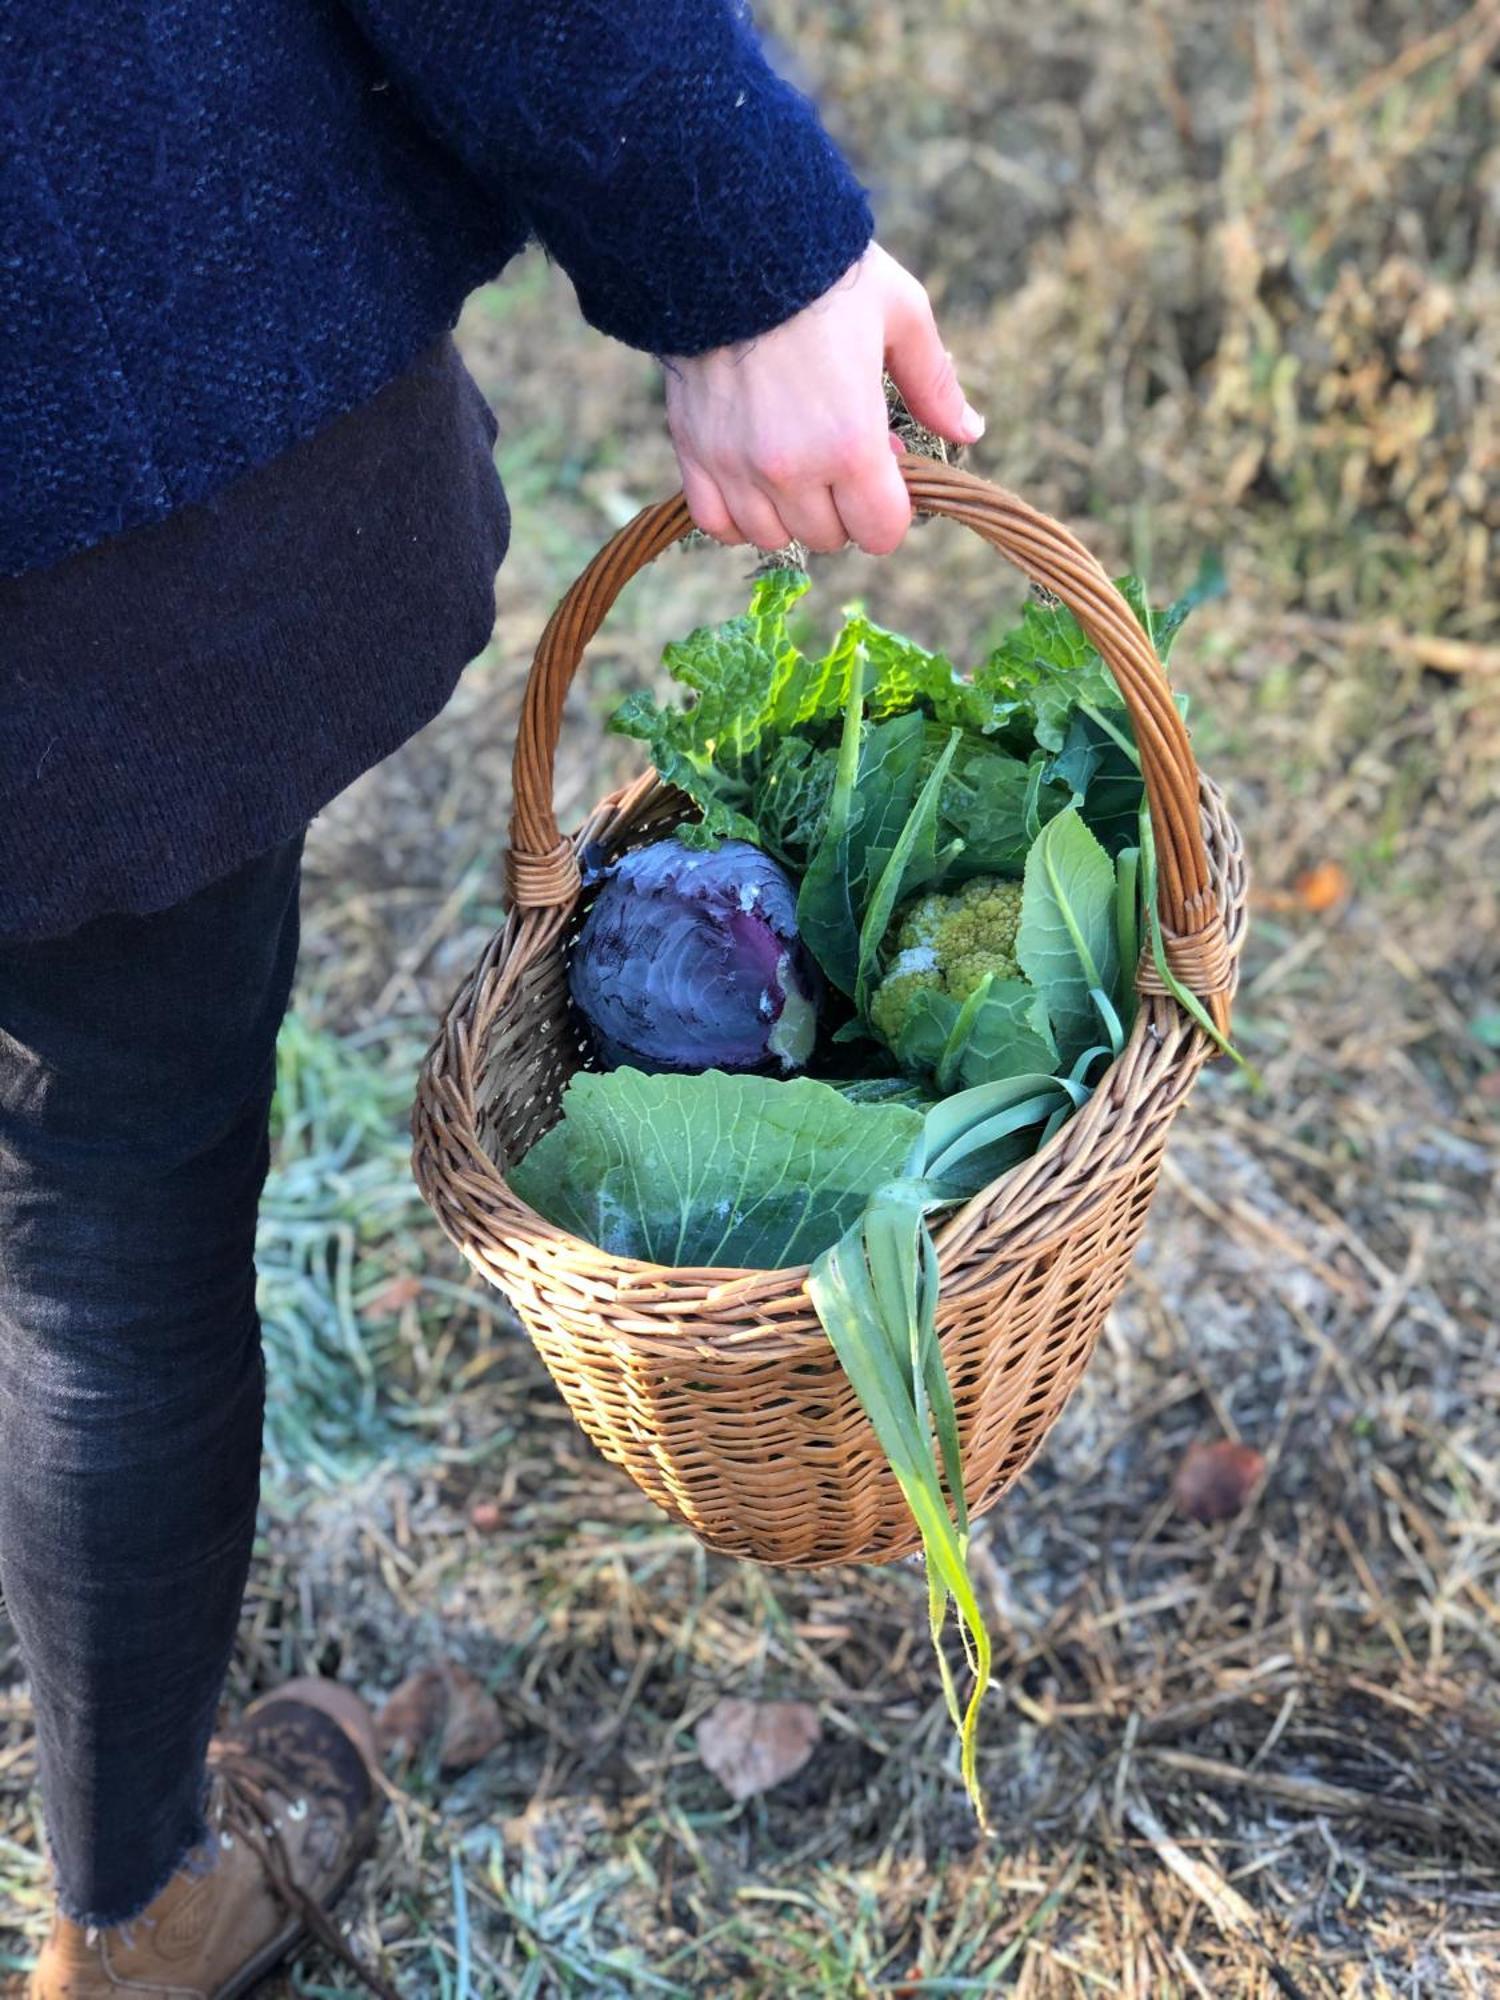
795 1275
1162 1055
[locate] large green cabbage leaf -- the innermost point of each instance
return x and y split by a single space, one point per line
711 1169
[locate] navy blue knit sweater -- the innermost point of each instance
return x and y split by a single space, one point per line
225 222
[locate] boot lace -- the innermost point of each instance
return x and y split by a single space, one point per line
248 1793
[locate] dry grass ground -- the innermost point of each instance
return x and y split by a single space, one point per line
1219 276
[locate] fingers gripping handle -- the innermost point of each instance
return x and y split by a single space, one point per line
543 868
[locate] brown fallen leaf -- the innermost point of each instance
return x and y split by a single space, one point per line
445 1708
1214 1482
751 1745
398 1292
412 1716
472 1726
1323 888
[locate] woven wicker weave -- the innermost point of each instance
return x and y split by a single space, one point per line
717 1390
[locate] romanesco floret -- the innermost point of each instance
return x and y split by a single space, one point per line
948 944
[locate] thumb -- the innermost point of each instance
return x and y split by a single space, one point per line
922 370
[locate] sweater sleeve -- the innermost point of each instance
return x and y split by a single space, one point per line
690 193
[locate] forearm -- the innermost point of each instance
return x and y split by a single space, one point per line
690 193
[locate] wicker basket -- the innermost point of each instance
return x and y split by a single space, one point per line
716 1390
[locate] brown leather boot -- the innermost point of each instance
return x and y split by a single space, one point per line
292 1809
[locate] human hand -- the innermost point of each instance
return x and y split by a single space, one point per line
785 436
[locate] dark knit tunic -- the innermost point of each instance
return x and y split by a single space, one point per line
224 226
184 696
225 222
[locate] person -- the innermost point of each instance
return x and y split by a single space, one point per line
249 530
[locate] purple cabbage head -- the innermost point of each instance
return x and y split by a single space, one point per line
690 960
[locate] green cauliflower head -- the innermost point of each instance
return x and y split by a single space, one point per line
948 944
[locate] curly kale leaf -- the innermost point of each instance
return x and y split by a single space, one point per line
756 691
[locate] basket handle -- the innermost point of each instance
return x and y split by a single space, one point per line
543 868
